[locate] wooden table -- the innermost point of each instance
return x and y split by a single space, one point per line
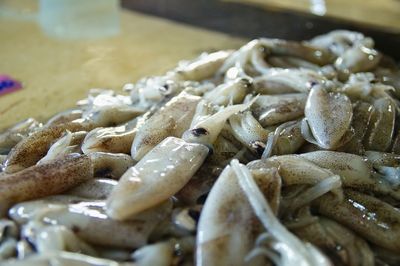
57 73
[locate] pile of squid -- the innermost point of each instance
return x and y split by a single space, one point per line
278 153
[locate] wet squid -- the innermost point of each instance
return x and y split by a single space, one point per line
277 153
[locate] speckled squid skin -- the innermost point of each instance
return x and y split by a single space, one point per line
370 217
329 116
356 172
293 169
282 81
354 51
248 131
111 165
14 134
65 117
353 169
258 50
204 66
31 149
91 223
312 167
109 139
228 226
276 109
65 258
362 113
228 93
44 180
343 245
381 128
88 220
96 188
67 144
171 120
289 139
157 176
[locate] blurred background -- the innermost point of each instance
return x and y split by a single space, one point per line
56 50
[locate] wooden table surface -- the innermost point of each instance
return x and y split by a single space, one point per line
57 73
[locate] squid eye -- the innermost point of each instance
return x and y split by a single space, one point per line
199 131
258 146
312 83
164 88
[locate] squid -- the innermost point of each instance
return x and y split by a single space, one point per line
45 179
88 220
227 226
370 217
13 135
276 153
157 176
327 118
171 120
110 139
275 109
31 149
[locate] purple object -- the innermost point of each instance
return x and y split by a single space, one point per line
8 84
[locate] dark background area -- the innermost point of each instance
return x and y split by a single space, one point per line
251 22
